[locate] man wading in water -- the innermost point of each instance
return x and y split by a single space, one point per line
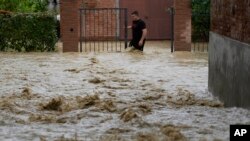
139 31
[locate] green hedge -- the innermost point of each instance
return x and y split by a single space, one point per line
28 32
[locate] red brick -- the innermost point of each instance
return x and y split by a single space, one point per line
182 24
231 18
70 19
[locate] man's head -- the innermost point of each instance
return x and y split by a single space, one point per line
135 15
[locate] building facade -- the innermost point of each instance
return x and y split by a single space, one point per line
154 13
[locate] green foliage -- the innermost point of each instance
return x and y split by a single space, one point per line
200 20
28 32
201 6
24 5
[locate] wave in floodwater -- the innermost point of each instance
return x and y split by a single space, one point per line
153 95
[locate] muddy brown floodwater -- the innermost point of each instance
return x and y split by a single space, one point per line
152 96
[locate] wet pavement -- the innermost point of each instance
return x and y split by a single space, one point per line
129 95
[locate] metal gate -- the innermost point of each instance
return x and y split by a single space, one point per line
103 29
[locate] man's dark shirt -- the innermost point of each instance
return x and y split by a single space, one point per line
137 28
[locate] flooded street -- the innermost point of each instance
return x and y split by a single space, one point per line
129 95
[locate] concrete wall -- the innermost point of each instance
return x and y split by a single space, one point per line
229 52
229 70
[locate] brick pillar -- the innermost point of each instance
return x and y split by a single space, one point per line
182 22
70 24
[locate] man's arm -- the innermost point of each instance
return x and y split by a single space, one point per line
144 35
129 27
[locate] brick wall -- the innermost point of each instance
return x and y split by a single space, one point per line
182 23
231 18
106 4
69 10
101 25
70 25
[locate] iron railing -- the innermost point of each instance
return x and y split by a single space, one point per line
103 29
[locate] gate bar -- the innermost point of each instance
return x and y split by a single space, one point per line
125 28
172 12
80 11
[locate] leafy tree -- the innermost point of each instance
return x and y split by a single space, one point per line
24 5
201 6
200 20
